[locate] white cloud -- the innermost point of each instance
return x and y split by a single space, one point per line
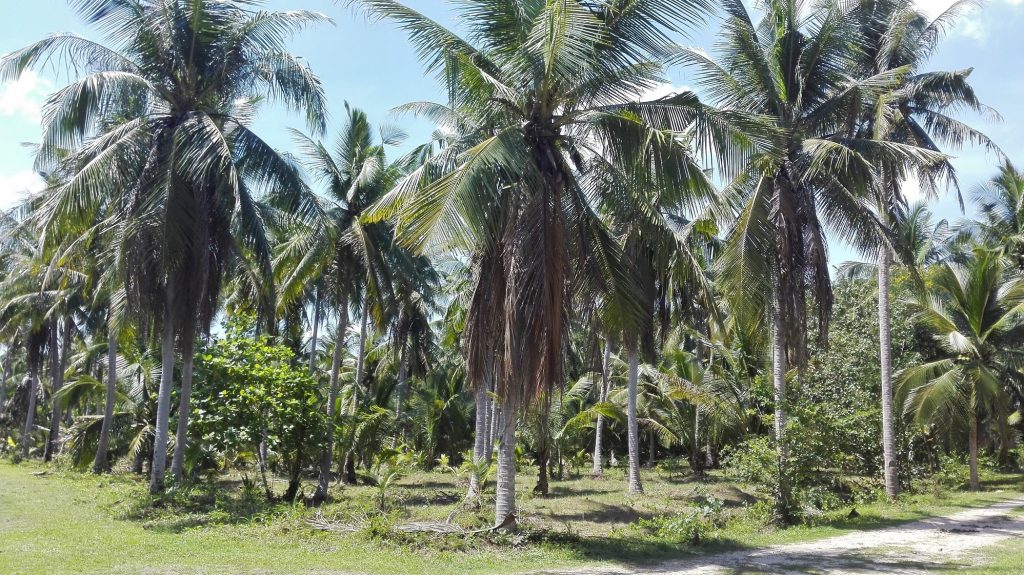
970 24
14 187
24 98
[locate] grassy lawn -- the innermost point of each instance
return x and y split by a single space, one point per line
62 522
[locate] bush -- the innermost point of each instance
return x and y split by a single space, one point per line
693 526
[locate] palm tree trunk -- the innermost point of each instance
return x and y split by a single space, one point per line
316 332
57 363
505 490
327 455
695 444
100 464
30 413
598 469
891 470
633 432
184 406
493 421
362 343
973 449
480 446
783 500
6 376
163 400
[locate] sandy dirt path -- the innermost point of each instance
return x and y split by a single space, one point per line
916 548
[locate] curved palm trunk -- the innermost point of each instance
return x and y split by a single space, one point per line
480 446
783 499
505 491
163 400
184 406
30 414
493 421
634 485
100 464
57 377
973 449
598 469
891 469
327 456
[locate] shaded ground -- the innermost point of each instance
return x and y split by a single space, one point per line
917 548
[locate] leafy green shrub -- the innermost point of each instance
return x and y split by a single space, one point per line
692 526
247 392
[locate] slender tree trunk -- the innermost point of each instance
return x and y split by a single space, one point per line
184 406
709 457
633 432
57 362
163 401
400 392
598 469
652 446
973 449
480 446
783 499
316 331
327 455
100 464
493 421
362 343
30 414
891 465
695 459
6 376
505 491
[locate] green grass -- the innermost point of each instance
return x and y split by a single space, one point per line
65 522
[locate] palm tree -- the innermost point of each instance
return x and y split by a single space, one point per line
553 87
791 68
1001 206
353 262
974 311
900 38
159 125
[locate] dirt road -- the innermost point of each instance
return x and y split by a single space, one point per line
911 549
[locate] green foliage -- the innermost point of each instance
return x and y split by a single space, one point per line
692 526
247 391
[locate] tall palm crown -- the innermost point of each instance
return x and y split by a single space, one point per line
158 120
553 87
897 36
792 67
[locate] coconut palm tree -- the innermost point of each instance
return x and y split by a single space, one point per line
899 37
974 311
791 67
159 120
353 262
554 87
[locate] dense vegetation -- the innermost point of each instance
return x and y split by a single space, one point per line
568 277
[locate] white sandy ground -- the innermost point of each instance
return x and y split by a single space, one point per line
910 549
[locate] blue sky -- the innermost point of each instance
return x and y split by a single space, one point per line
373 67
